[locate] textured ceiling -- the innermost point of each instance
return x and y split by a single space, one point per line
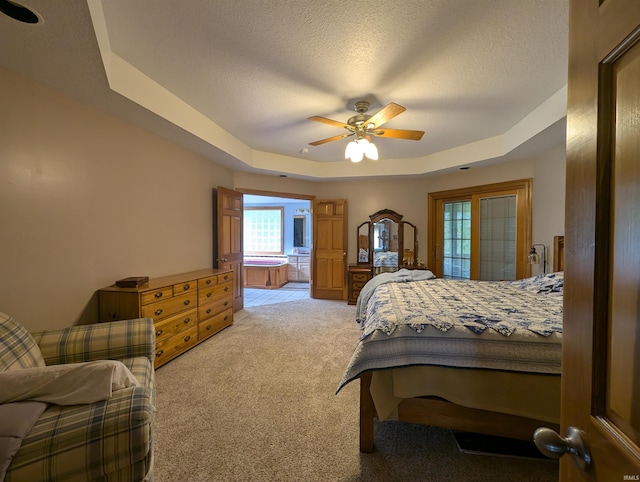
237 80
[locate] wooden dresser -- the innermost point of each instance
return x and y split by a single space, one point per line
358 275
186 308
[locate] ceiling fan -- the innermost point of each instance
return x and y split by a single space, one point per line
363 125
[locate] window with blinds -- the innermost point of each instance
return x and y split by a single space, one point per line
456 246
497 255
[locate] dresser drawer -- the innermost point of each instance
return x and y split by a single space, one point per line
216 306
175 324
156 295
185 287
214 280
224 277
163 309
357 287
206 295
215 324
360 277
208 281
172 346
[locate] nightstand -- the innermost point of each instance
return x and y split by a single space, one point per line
358 275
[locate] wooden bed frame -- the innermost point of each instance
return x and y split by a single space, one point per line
438 412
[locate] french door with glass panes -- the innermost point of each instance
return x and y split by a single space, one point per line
481 232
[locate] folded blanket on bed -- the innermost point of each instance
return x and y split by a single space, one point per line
401 276
68 384
16 421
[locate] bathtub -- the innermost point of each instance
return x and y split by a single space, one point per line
265 272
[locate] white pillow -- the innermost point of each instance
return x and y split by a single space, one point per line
68 384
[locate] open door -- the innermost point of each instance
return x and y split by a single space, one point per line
229 240
329 253
600 419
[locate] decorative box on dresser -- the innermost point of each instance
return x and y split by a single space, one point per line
186 308
358 275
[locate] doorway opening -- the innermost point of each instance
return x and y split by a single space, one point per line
277 237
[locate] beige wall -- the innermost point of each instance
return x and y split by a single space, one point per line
548 200
87 199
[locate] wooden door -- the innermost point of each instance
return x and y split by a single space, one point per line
329 254
601 340
229 252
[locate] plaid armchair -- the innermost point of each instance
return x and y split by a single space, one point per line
109 440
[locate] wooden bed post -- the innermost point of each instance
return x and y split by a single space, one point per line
367 413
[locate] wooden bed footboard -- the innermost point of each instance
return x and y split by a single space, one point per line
441 413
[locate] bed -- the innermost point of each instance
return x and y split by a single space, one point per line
473 356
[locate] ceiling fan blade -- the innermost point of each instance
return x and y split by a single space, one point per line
330 139
399 134
331 122
387 113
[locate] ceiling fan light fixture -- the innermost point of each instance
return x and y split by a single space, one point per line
362 126
357 149
371 151
351 150
357 156
368 148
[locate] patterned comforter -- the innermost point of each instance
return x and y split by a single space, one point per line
503 325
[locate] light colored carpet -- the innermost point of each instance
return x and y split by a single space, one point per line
257 402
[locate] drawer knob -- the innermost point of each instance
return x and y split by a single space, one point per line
158 294
186 302
159 353
209 295
158 312
186 287
187 338
226 288
159 332
187 320
208 311
226 303
226 317
208 281
208 327
226 277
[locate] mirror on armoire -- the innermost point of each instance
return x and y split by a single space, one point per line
409 245
385 240
364 251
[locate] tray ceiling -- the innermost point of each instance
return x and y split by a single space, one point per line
236 81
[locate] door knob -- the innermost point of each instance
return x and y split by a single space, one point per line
552 445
